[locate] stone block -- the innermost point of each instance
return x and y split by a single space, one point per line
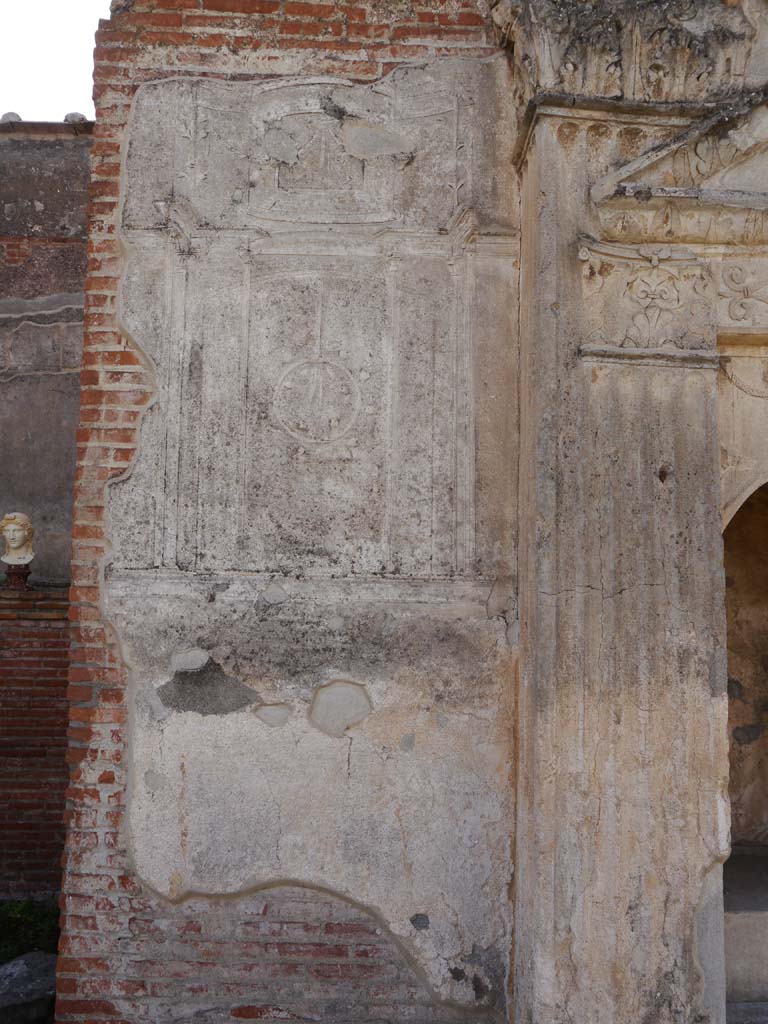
27 987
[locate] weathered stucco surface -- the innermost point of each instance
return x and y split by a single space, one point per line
743 385
629 587
313 557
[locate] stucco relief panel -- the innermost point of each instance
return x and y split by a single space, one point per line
647 298
346 375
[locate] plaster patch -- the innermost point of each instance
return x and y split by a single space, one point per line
338 706
190 661
368 141
274 715
274 594
281 146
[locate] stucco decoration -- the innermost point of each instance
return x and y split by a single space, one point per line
705 185
651 303
322 277
698 200
17 531
657 50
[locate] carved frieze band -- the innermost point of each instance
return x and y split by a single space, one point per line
647 305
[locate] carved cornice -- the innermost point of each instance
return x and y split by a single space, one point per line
647 50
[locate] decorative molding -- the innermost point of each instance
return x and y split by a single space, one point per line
648 50
645 218
706 185
698 359
192 239
715 142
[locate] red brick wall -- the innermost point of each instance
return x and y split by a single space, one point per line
127 955
34 660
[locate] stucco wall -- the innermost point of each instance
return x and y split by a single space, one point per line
329 322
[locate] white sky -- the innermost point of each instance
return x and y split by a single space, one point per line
46 56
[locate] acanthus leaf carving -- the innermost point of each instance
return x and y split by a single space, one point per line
658 296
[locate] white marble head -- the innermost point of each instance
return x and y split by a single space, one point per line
17 532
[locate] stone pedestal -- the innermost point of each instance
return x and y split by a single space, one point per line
17 576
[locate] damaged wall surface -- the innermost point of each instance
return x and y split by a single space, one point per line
296 655
415 344
321 277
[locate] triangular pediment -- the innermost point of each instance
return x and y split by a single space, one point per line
709 183
720 153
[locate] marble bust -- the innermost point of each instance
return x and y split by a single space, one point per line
17 532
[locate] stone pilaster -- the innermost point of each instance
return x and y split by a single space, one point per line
623 760
623 768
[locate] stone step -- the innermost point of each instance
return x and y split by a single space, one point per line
746 930
27 987
747 1013
746 957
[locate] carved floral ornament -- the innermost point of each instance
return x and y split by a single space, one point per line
657 294
658 301
660 305
744 307
638 50
744 292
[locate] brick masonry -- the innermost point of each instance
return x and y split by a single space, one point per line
34 659
128 956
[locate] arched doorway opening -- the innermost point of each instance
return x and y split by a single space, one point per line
746 871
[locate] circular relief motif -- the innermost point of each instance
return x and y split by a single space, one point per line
316 401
